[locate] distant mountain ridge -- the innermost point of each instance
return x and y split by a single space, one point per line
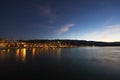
74 42
65 42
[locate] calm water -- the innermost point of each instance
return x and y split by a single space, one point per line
84 63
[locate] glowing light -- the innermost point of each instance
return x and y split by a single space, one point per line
8 50
17 54
33 52
17 51
23 54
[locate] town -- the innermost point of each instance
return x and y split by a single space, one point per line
6 43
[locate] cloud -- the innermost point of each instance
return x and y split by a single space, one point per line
46 11
109 21
108 33
64 29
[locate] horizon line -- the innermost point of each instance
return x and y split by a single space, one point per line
62 39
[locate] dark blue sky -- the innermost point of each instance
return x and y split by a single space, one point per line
60 19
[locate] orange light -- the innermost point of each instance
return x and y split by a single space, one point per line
17 54
33 52
23 54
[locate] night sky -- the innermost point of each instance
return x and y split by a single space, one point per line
97 20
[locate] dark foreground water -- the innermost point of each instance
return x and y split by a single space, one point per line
84 63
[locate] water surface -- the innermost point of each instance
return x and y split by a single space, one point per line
85 63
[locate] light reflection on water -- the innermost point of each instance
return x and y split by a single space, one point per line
98 61
20 54
103 60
